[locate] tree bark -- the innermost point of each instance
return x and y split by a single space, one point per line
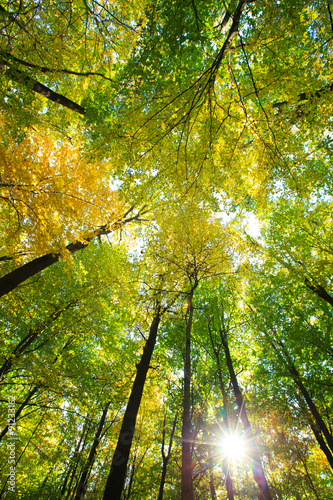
116 479
81 488
258 472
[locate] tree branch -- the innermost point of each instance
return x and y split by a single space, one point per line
11 280
29 82
44 69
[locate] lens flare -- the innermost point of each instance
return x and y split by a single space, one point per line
233 446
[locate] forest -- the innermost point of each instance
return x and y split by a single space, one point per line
166 250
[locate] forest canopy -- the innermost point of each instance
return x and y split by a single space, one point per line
166 250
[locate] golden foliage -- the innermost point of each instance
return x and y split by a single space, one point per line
50 194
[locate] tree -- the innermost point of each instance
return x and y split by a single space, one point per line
115 483
211 125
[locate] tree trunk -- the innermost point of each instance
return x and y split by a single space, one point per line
322 444
115 482
21 407
258 472
23 345
186 473
211 477
74 460
166 457
131 478
79 451
226 427
11 280
81 488
319 290
22 453
311 405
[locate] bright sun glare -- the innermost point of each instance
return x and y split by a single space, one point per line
233 446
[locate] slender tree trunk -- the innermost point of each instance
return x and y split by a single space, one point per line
115 482
49 474
312 486
257 468
322 444
211 477
78 453
21 407
81 488
226 427
186 473
53 467
64 484
131 477
22 453
73 461
319 421
11 280
166 457
320 424
23 345
226 463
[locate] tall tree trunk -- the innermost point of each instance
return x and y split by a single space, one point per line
322 444
258 472
78 453
312 407
11 280
186 473
74 459
211 477
115 482
166 457
319 423
226 427
81 488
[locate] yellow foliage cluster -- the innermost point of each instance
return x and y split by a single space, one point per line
49 195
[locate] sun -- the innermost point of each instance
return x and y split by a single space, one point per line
233 446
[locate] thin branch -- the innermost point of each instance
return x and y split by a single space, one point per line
45 69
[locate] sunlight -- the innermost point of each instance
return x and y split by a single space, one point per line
233 446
